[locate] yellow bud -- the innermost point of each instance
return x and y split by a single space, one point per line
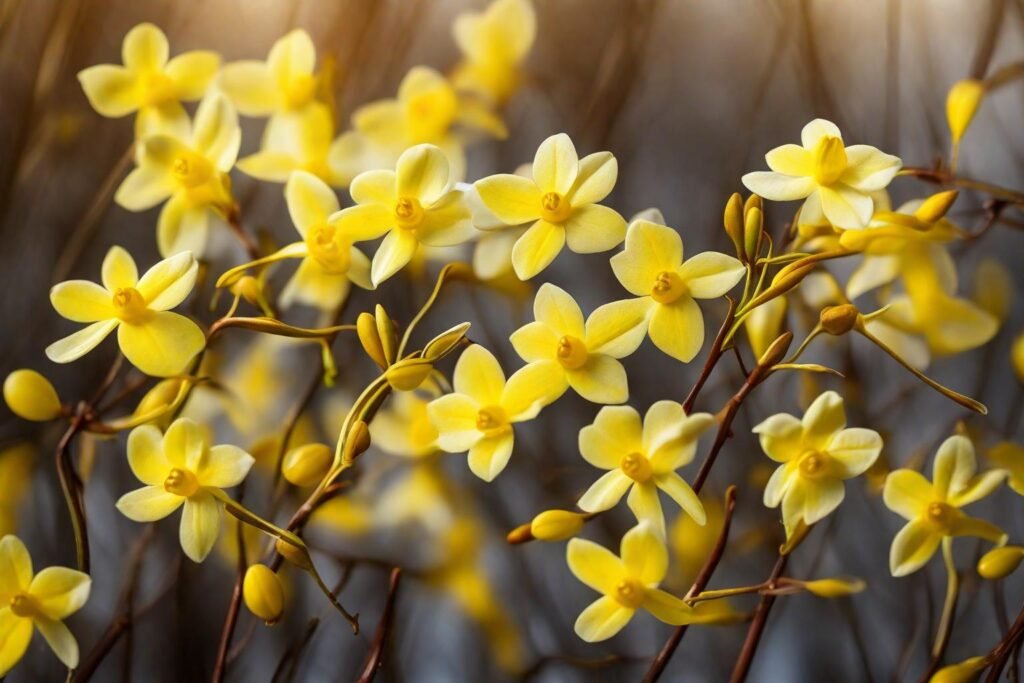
838 320
764 324
521 534
159 397
753 224
733 220
30 396
935 207
387 333
248 288
357 441
753 202
961 105
444 343
777 350
293 554
307 465
556 525
1000 562
408 374
366 330
835 587
963 672
263 593
1017 356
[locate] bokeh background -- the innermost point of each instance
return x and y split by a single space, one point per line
688 96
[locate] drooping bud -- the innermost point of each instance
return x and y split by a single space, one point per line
387 333
557 525
834 588
733 221
357 441
263 593
838 320
963 672
1000 562
366 330
307 465
30 396
962 104
408 374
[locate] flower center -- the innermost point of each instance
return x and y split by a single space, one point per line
191 170
668 287
637 467
492 420
940 514
554 208
129 304
813 464
329 254
408 213
572 352
299 91
23 605
181 483
629 593
829 160
157 88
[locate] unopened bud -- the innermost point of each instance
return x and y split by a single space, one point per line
834 588
30 396
963 672
356 442
753 225
307 465
366 330
444 343
387 333
1000 562
160 397
263 593
248 288
408 374
521 534
293 554
556 525
733 220
936 206
838 320
962 104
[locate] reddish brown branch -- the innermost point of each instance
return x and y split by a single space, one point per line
375 658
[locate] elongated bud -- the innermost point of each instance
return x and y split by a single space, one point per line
753 224
160 397
834 588
764 324
408 374
293 554
1017 356
30 396
962 104
446 342
963 672
1000 562
366 330
777 350
357 441
753 202
307 465
249 288
387 333
521 534
556 525
935 207
263 593
733 220
838 320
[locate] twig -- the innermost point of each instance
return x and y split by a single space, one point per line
375 658
220 666
746 657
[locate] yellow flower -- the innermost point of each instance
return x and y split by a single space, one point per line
190 172
835 180
583 355
652 267
627 583
1009 456
37 601
1017 357
933 508
180 468
153 339
479 415
494 43
16 465
560 201
642 459
303 144
764 324
329 260
284 84
817 453
404 428
414 204
149 83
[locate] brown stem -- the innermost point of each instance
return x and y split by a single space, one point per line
713 357
1001 652
220 666
234 221
742 668
375 658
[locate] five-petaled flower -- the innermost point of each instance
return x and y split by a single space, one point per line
560 201
414 204
149 83
652 267
585 354
180 468
494 44
933 508
155 340
642 459
191 172
479 415
30 601
628 583
836 181
817 453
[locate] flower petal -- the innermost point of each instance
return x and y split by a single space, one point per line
556 308
602 619
868 169
594 565
74 346
59 592
907 493
145 49
250 86
710 274
15 564
594 228
682 493
167 283
678 328
535 342
292 57
912 547
606 492
537 248
393 254
556 165
977 488
479 376
200 526
110 89
82 301
646 506
964 525
846 207
644 554
781 436
192 72
821 497
454 417
618 328
954 465
595 180
148 504
513 199
146 455
310 201
215 131
778 485
58 636
313 286
615 433
530 388
791 160
602 379
823 418
490 455
225 466
182 226
364 221
374 187
163 345
15 635
118 269
854 450
816 130
778 187
422 173
650 249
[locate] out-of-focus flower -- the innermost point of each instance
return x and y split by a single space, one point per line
149 83
403 427
304 144
642 459
190 173
628 583
1009 456
479 415
652 267
816 454
962 104
1017 357
16 462
37 601
560 202
494 44
993 288
585 355
691 543
414 204
30 396
835 180
764 324
180 468
933 508
152 338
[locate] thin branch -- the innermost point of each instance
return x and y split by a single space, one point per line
375 658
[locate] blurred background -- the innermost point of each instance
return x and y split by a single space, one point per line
688 96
